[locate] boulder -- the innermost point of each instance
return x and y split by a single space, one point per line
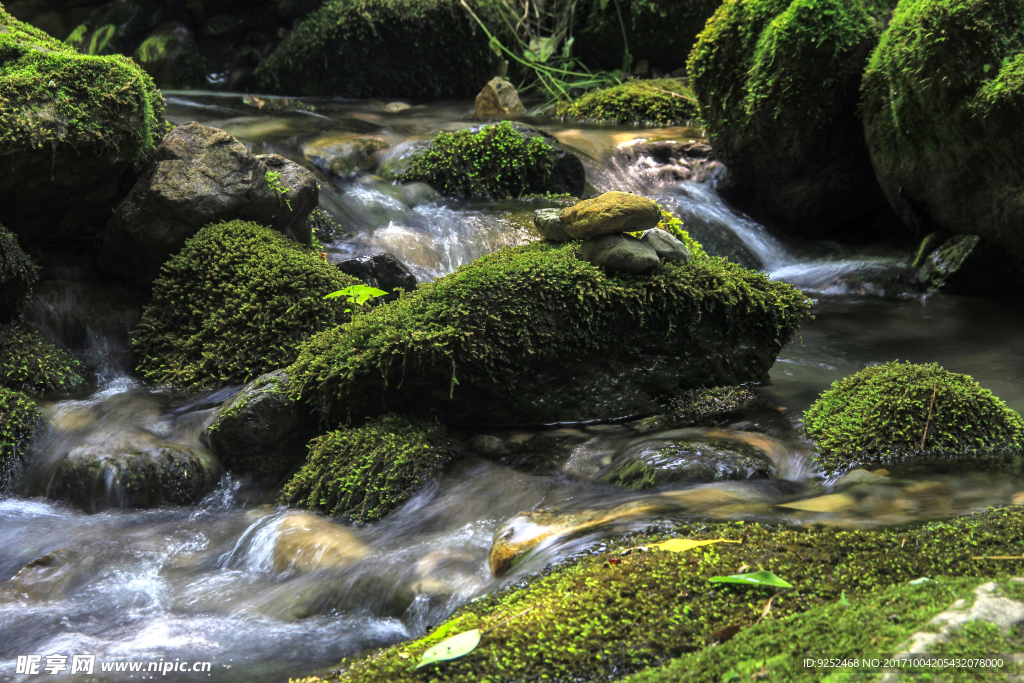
200 175
17 276
666 245
664 102
619 254
383 271
549 224
70 151
498 100
133 470
610 213
345 155
307 542
299 193
262 431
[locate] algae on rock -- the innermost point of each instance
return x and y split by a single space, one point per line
30 363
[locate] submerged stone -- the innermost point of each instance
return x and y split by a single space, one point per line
346 154
306 542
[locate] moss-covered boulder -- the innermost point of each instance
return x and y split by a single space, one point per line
17 275
779 86
534 334
233 304
366 472
943 101
663 102
382 48
501 160
74 130
899 412
30 363
19 418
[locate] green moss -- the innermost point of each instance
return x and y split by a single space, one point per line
492 161
30 363
366 472
657 102
880 414
597 621
382 48
233 304
17 275
49 93
492 322
18 420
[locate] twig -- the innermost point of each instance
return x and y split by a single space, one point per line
674 94
929 418
997 557
516 616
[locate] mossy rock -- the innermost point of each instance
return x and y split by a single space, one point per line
233 304
498 161
19 418
366 472
425 49
901 412
595 620
705 407
943 101
74 129
533 334
778 83
657 102
30 363
170 55
17 275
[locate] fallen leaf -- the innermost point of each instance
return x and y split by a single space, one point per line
678 545
754 579
726 633
918 582
457 646
614 560
767 609
743 569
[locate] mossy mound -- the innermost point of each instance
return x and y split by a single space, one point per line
382 48
900 411
778 84
596 621
17 275
659 102
72 128
943 101
532 333
19 417
872 626
498 161
366 472
30 363
233 304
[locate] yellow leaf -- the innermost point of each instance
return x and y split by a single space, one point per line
830 503
678 545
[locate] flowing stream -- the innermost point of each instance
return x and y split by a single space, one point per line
213 582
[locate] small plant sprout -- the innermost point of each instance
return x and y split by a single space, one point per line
274 182
357 295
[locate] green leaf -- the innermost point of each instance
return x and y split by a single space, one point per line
547 47
987 68
495 45
357 294
567 52
457 646
842 599
753 579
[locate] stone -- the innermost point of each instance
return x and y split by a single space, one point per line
498 100
383 271
861 476
620 253
611 213
52 576
306 542
969 265
198 176
345 155
833 502
262 432
549 224
668 247
396 107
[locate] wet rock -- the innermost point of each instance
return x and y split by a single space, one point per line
345 155
169 54
498 100
52 576
620 253
306 542
17 276
969 265
611 213
704 407
199 176
262 431
861 476
383 271
670 162
396 107
666 245
834 502
134 470
549 224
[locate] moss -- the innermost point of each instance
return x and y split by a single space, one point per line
881 414
17 275
382 48
493 322
18 420
657 102
49 94
366 472
30 363
596 620
233 304
492 161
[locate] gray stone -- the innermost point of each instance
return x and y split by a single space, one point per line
669 247
549 224
201 175
262 431
498 100
345 155
383 271
619 253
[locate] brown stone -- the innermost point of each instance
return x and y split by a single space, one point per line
498 100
